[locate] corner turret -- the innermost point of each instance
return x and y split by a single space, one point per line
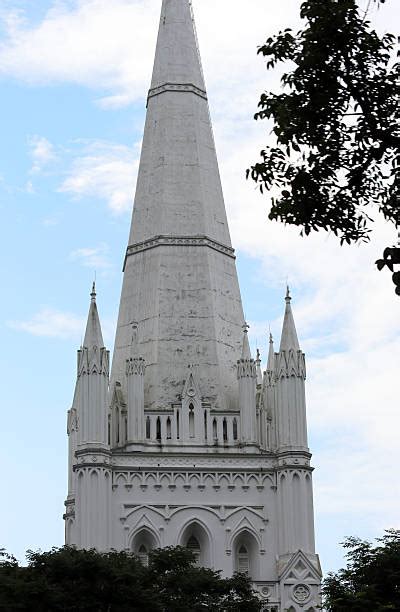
247 377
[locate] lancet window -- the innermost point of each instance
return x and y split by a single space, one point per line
148 428
215 430
194 546
191 421
158 428
225 430
235 429
168 428
243 560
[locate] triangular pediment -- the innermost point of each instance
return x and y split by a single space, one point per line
191 389
299 566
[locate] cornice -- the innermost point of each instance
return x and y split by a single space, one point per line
197 241
176 87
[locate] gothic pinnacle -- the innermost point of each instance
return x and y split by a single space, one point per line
93 334
289 339
246 354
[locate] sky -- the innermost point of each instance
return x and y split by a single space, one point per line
74 76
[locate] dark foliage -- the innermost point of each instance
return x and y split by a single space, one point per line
68 579
336 124
371 580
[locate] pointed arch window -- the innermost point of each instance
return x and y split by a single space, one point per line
117 425
235 429
168 429
205 425
148 428
215 431
158 428
143 555
109 429
243 561
194 546
191 421
126 428
225 430
177 425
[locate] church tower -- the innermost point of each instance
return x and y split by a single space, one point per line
186 441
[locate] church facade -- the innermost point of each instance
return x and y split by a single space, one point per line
184 440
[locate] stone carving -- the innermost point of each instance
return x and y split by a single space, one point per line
290 363
135 366
301 593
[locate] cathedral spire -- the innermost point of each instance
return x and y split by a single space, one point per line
289 339
180 281
177 56
93 334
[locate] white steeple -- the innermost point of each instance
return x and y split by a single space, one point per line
180 281
187 445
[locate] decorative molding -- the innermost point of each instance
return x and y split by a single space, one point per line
135 366
172 480
198 241
246 368
211 462
93 361
290 363
180 87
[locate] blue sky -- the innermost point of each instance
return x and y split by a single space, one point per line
73 79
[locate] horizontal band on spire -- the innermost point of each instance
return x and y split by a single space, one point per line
182 87
202 241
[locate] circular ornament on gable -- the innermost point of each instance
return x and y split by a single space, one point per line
301 593
191 392
265 592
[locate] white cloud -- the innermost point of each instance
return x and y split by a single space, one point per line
103 170
42 153
96 258
51 324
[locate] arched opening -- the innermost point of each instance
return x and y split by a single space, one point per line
225 430
235 429
246 554
243 565
215 430
142 544
205 425
168 428
117 425
191 421
126 429
148 428
109 429
177 425
196 538
158 428
194 546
